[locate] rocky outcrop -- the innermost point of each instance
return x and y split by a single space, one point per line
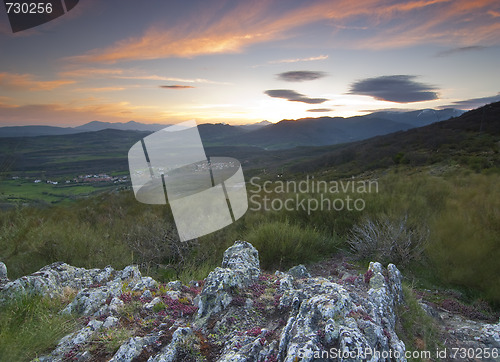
237 313
53 279
3 273
240 267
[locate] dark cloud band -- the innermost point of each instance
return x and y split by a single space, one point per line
176 86
395 88
293 96
472 48
300 75
320 110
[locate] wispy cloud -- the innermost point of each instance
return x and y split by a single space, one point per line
293 96
394 88
28 82
462 22
296 60
177 86
132 74
170 79
473 103
212 32
247 23
300 75
101 89
466 49
92 72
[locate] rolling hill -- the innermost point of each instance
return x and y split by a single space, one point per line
282 135
472 139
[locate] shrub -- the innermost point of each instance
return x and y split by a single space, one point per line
388 240
283 245
155 242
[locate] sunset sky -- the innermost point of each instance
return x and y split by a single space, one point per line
247 61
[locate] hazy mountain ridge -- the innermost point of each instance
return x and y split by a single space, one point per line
284 134
456 139
128 126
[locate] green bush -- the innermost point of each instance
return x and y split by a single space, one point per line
282 245
460 208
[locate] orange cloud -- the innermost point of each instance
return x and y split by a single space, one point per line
7 102
133 74
28 82
101 89
460 22
255 22
91 73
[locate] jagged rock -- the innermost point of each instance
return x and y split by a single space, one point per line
240 267
68 347
385 295
326 315
144 283
245 348
110 322
286 317
182 340
89 301
104 300
242 257
3 272
150 305
490 335
471 335
133 347
147 295
299 271
175 285
395 283
286 281
51 280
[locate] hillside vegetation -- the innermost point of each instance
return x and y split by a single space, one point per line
471 140
442 209
455 216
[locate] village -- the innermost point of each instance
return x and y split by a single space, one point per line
81 179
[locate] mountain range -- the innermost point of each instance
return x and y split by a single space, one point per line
282 135
471 138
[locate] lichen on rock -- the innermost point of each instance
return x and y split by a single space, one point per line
238 313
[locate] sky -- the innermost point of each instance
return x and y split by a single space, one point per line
246 61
